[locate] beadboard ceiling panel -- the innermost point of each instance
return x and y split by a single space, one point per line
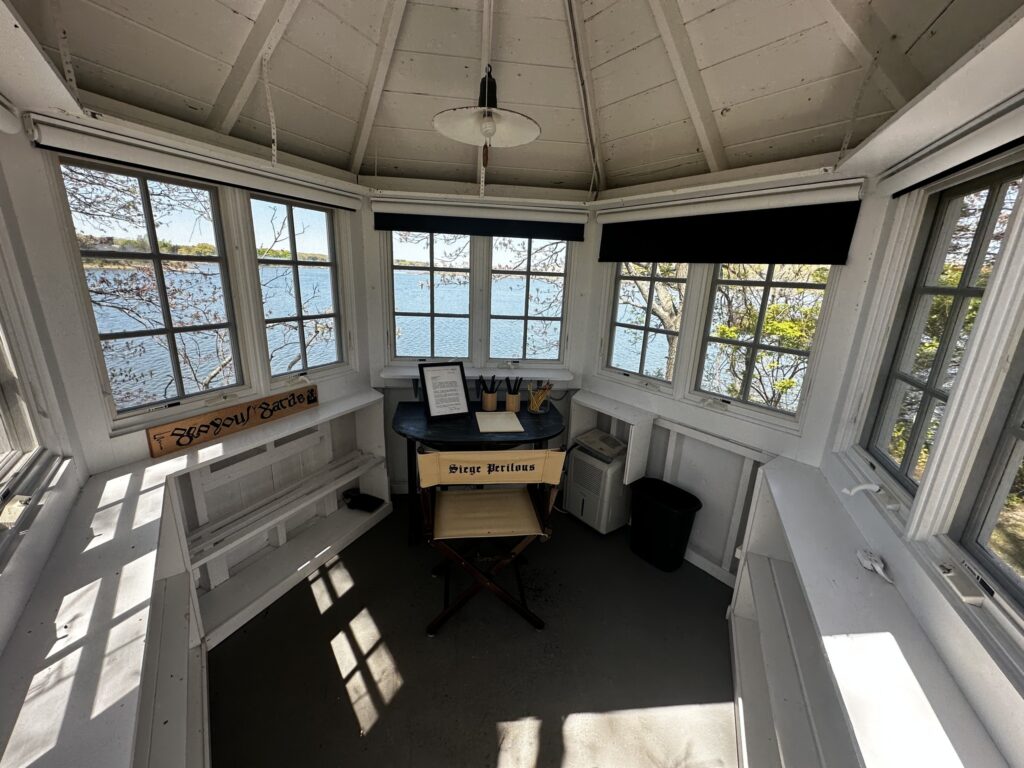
358 82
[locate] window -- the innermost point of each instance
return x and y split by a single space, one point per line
646 319
430 276
527 297
434 276
761 323
995 532
963 247
298 274
157 279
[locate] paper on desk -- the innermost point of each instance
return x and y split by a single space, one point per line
498 422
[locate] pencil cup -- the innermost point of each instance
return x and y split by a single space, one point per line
489 401
538 407
512 402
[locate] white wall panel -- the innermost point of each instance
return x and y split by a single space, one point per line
667 141
322 34
618 29
808 142
442 30
806 106
113 41
962 24
258 131
745 25
658 106
302 117
131 90
303 74
802 58
634 72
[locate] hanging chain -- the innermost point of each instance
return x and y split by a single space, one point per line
856 108
270 110
64 48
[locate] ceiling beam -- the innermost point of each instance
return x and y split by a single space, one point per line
677 43
381 64
871 43
262 39
28 79
581 59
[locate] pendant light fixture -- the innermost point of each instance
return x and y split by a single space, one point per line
486 125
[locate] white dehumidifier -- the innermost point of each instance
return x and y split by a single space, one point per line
594 491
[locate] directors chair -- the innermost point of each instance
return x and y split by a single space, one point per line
515 503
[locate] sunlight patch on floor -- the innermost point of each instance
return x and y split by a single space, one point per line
330 583
687 736
371 676
519 743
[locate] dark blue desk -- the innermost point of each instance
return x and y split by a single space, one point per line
462 434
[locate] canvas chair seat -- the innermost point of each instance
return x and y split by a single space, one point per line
486 513
515 502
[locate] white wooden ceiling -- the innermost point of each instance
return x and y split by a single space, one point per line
674 87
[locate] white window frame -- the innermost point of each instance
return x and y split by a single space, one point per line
479 312
333 262
684 386
928 252
245 298
562 318
646 328
168 329
757 344
930 522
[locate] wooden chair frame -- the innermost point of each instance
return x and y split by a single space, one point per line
542 497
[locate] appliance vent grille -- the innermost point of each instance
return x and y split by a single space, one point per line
586 475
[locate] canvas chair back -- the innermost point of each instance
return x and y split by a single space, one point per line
490 467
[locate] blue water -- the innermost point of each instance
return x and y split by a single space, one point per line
127 300
451 334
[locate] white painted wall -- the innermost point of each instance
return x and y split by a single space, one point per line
51 255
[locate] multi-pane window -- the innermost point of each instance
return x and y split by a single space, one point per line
996 532
298 283
761 323
647 316
963 248
157 279
527 297
430 278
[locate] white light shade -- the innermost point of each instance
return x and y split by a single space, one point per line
467 124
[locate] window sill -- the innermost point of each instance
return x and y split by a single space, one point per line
781 422
401 374
136 422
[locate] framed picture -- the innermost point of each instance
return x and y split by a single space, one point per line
444 389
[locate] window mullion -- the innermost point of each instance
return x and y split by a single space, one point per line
161 287
748 374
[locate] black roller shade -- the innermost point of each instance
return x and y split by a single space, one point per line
800 234
467 225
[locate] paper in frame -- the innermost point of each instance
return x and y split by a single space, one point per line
445 393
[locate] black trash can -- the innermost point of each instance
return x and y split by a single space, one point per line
662 519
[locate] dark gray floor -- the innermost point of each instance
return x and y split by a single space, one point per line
620 635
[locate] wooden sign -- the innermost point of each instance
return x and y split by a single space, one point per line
186 433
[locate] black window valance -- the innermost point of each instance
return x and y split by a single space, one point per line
801 234
469 225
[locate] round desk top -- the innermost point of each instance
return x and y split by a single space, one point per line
461 432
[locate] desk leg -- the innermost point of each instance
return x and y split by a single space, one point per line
415 523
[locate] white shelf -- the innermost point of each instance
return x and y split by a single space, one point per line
217 538
864 664
759 747
249 591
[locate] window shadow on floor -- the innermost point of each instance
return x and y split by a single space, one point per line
339 671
